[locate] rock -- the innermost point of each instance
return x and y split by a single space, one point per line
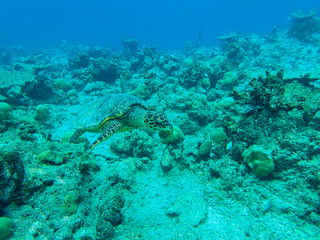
104 229
303 26
188 63
205 82
94 87
167 161
130 46
171 154
11 172
110 208
82 60
84 233
315 122
13 78
50 157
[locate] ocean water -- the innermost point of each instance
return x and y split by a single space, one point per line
159 120
166 24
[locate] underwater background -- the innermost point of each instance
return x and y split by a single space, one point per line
166 24
221 106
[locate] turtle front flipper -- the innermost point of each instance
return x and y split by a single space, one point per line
81 131
76 135
107 132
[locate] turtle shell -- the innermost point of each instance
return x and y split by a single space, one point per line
110 106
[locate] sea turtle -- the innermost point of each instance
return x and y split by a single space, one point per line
117 112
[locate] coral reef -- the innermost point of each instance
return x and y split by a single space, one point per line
242 160
304 26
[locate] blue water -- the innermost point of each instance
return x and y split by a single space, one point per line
166 24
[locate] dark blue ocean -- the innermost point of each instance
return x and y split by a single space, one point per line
166 24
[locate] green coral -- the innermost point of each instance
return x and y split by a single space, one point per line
42 113
50 157
88 163
229 80
217 135
226 102
204 150
205 82
63 84
66 137
72 93
141 91
70 204
259 160
6 112
173 137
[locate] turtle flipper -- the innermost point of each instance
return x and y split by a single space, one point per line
81 131
76 135
107 132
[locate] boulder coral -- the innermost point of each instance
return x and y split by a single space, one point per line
229 80
218 136
42 113
204 150
6 228
6 112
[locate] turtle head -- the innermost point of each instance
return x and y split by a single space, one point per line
157 121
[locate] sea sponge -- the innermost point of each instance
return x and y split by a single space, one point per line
258 160
6 112
172 138
6 228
